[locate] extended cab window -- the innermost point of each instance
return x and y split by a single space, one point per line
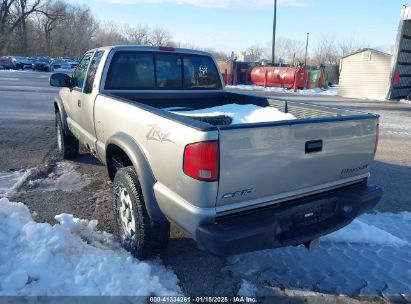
133 70
88 86
81 70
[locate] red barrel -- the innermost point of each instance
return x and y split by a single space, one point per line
290 78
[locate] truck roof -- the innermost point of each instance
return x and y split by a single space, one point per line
153 49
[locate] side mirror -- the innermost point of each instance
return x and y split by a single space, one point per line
60 80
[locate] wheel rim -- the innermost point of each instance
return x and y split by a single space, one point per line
59 141
126 212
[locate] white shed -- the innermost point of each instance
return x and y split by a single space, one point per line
365 74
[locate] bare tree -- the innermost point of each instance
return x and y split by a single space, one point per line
350 45
161 36
76 34
215 53
108 34
5 14
289 50
21 7
58 28
53 15
326 51
139 34
13 15
255 52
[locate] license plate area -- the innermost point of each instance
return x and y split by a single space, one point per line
314 214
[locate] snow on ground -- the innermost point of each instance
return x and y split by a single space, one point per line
71 258
30 70
5 70
359 232
247 289
331 91
372 256
11 181
241 113
63 177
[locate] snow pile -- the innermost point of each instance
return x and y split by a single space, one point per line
71 258
371 256
362 233
331 91
247 289
10 70
241 113
63 177
11 181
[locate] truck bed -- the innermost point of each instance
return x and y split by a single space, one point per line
270 162
204 100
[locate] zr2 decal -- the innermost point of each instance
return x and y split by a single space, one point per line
158 134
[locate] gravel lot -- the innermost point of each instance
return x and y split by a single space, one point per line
27 140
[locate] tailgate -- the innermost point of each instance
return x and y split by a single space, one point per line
261 163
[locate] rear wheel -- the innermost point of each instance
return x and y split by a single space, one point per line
138 233
67 145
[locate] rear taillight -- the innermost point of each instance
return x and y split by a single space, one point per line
201 160
377 135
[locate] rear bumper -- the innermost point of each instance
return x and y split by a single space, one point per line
291 223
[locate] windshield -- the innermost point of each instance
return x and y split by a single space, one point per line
132 70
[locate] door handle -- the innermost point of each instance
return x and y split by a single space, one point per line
79 103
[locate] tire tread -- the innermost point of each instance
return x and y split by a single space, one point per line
70 144
151 237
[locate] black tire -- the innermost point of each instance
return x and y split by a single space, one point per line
147 238
67 145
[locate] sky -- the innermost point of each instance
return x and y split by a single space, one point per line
234 25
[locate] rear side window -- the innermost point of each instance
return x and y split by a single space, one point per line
88 86
132 70
200 72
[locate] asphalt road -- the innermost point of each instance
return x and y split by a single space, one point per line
27 140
